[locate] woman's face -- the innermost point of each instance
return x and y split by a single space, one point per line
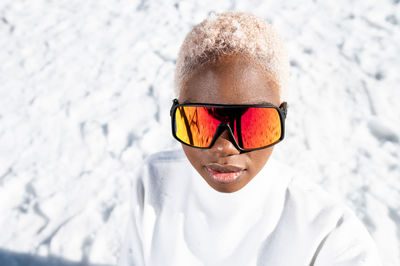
234 79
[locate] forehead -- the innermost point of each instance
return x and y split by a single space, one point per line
232 80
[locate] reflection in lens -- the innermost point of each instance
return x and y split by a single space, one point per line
195 125
260 127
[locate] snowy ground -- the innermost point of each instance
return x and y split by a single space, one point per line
85 92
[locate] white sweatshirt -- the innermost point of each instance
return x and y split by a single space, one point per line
277 219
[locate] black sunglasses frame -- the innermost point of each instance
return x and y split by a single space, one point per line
282 111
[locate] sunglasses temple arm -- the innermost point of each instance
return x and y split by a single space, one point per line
174 103
284 107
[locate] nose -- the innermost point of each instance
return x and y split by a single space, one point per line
223 145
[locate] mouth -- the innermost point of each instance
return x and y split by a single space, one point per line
224 174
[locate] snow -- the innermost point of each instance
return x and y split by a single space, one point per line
85 92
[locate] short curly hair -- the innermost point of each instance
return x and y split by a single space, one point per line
233 32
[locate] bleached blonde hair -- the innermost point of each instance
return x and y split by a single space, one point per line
233 32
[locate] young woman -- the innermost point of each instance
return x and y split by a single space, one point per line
222 199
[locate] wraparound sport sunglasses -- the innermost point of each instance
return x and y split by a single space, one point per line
251 127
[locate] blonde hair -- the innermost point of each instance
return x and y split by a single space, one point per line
233 32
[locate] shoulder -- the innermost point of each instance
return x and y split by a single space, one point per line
164 173
348 243
164 163
158 159
314 207
342 237
156 167
301 188
317 208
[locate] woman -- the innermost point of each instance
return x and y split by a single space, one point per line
222 199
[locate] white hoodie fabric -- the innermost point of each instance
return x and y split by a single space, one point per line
277 219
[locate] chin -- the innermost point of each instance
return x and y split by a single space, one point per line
225 190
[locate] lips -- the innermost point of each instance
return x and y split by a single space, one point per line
224 173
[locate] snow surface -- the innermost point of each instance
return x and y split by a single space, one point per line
85 92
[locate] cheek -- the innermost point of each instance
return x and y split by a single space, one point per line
194 155
259 158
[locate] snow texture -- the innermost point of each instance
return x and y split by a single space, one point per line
86 88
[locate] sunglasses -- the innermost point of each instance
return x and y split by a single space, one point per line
251 127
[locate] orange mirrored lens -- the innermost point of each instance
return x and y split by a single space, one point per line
195 125
253 127
260 127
